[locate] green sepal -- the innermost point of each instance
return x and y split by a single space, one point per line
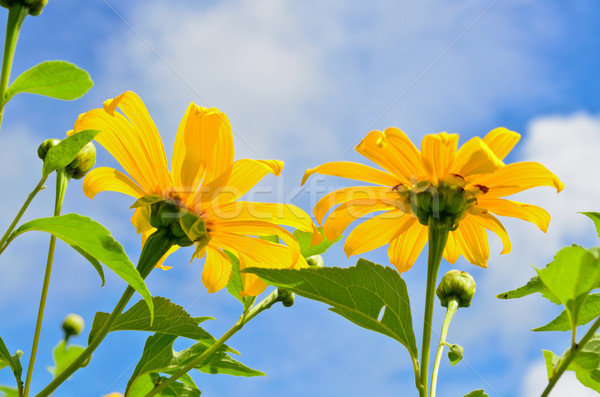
56 79
148 199
369 295
62 154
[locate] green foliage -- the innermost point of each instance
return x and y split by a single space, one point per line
86 235
169 318
477 393
359 293
590 310
235 284
9 391
304 239
66 150
571 276
586 363
64 355
595 217
534 285
159 357
56 79
147 382
12 361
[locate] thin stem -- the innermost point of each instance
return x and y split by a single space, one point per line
62 181
452 308
244 318
155 247
564 364
438 235
3 240
16 14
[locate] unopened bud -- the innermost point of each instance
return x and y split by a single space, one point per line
72 325
35 6
83 162
455 354
45 146
285 296
315 261
456 285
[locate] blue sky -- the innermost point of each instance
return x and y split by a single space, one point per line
303 82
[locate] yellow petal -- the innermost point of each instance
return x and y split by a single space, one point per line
451 251
104 178
527 212
347 194
360 172
437 151
475 157
375 232
405 149
245 174
350 211
217 140
141 219
514 178
376 148
217 269
262 253
501 141
276 213
472 240
492 223
253 285
405 249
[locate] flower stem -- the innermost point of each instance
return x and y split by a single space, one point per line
452 308
16 14
244 318
438 235
155 247
3 240
564 363
62 181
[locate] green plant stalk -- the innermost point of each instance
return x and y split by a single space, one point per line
3 240
16 15
575 348
246 316
62 181
451 310
438 235
155 247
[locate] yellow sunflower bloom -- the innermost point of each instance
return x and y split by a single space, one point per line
204 181
464 186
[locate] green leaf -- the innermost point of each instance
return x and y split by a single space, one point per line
571 276
586 363
12 361
9 391
56 79
86 235
169 318
595 217
64 355
551 361
159 357
304 239
64 152
235 284
477 393
273 238
534 285
178 389
590 310
360 294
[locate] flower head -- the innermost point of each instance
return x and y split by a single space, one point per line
200 193
462 188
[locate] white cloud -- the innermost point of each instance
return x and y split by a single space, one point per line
536 379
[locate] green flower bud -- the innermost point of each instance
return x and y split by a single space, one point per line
83 162
456 285
186 228
35 6
72 325
285 296
45 146
315 261
455 354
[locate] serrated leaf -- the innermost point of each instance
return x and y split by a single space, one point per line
60 155
12 361
551 361
571 276
178 389
534 285
86 235
169 318
590 310
9 391
477 393
359 293
304 239
159 357
56 79
595 217
64 355
235 284
586 363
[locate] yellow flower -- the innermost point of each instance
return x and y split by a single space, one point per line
204 180
464 186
